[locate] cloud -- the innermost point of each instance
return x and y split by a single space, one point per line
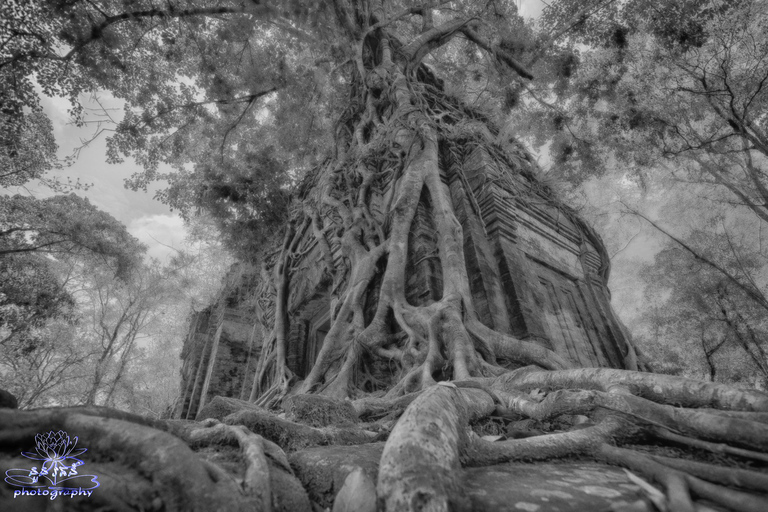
108 193
531 8
163 234
149 220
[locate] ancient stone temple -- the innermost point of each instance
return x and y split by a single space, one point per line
536 271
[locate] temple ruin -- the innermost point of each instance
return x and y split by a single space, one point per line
537 272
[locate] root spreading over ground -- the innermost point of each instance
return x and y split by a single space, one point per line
238 459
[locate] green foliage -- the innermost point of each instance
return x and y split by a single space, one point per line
241 99
249 202
196 79
43 367
48 249
73 333
31 294
209 90
81 351
39 238
685 83
669 98
65 225
27 147
115 315
715 330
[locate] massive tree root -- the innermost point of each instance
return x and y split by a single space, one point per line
709 450
126 452
144 464
430 442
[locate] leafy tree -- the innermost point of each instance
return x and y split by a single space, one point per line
702 312
65 225
115 317
75 334
193 278
329 102
664 96
27 148
676 87
46 246
43 367
30 295
703 247
90 354
37 233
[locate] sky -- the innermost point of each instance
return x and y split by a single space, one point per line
530 8
153 223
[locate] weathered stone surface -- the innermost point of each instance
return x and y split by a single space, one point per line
319 411
287 493
565 486
323 470
220 352
358 494
571 486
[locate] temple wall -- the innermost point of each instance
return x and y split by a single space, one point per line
549 269
533 274
219 353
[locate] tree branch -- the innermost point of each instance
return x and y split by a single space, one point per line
754 294
497 52
171 12
432 39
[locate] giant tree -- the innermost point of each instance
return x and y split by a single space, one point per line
249 99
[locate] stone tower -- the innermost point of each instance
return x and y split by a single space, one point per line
537 272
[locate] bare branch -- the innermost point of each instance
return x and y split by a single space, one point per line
751 292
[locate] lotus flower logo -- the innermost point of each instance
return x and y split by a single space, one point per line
54 448
58 455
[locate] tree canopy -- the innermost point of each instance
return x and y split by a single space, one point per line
670 98
220 90
682 82
239 97
65 224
